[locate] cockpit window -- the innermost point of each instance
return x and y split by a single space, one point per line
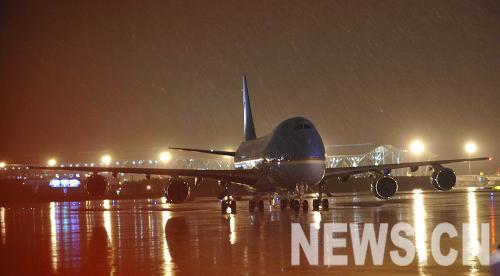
302 126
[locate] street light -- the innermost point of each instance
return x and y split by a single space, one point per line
106 159
417 147
2 165
470 147
52 162
165 157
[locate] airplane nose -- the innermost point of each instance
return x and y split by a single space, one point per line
309 146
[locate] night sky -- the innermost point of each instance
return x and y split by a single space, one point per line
80 78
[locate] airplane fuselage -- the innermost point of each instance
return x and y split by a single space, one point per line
293 153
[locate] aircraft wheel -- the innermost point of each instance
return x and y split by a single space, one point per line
315 204
232 205
260 205
305 206
223 206
251 205
283 204
324 204
295 205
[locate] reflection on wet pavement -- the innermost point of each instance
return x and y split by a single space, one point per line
154 237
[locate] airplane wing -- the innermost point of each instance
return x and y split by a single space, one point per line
248 177
210 151
345 171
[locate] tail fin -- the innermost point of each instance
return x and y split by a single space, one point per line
249 128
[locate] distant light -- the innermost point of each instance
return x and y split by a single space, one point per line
148 187
417 147
2 165
470 147
491 158
106 159
165 156
74 183
55 183
52 162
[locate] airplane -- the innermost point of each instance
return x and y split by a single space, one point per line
288 161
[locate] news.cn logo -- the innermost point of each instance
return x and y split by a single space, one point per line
400 235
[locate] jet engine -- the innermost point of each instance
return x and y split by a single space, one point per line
96 185
384 187
443 179
177 191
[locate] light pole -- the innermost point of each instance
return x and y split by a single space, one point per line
106 159
165 157
470 148
417 147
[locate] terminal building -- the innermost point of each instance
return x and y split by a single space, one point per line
366 154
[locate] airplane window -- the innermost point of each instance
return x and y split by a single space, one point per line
302 126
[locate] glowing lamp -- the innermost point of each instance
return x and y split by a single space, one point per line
106 159
52 162
470 147
165 156
417 147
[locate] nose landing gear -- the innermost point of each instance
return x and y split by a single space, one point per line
320 201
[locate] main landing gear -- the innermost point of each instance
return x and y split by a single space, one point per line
227 201
317 203
294 204
297 204
259 203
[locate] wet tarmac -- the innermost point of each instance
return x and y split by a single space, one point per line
151 237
